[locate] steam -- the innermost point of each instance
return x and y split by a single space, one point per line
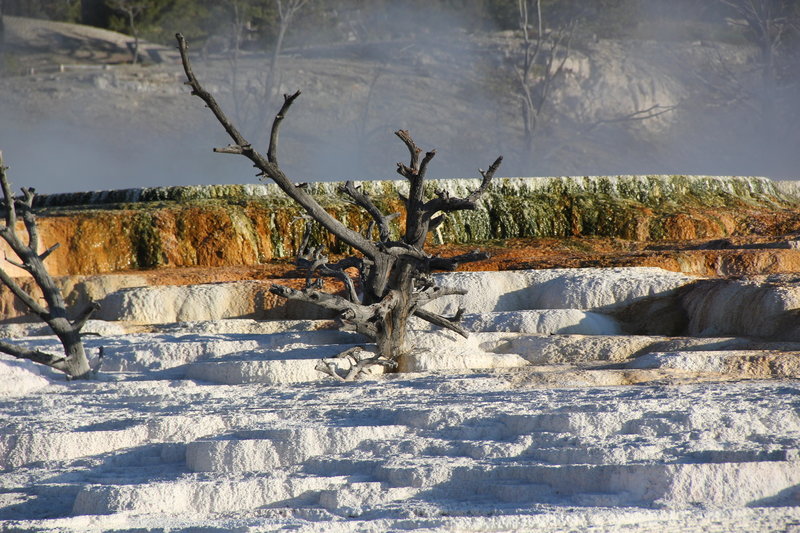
441 85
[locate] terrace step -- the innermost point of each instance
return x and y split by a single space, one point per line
203 496
263 451
759 364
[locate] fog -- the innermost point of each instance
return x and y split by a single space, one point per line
455 93
53 156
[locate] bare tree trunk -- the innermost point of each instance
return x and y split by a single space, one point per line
135 32
131 10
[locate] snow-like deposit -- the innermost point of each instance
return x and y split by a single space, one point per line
529 424
19 377
567 288
443 452
581 289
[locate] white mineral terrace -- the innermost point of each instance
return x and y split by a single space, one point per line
550 417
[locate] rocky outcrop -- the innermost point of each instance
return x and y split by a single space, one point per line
757 307
111 231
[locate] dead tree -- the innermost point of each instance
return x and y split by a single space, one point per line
539 68
132 10
74 363
252 98
394 279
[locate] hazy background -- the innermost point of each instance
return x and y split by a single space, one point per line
618 86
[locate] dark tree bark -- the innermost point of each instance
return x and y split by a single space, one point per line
74 362
394 276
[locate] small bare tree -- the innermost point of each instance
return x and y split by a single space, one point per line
287 9
538 69
131 10
252 98
773 26
394 279
770 23
74 363
540 66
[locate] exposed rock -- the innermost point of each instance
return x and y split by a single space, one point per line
76 42
248 225
575 349
579 349
758 307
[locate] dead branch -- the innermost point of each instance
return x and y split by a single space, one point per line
272 151
363 200
37 356
452 263
317 261
443 322
435 292
269 167
358 365
444 203
360 318
54 313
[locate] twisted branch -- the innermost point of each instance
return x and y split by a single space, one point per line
363 200
358 365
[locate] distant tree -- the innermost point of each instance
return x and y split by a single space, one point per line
134 16
769 23
394 279
773 26
547 57
287 9
539 68
132 10
252 98
63 10
74 363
